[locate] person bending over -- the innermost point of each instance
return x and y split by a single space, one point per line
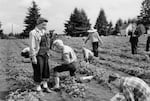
68 63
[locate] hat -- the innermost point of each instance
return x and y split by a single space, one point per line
91 30
58 42
41 20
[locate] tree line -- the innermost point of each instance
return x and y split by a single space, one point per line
78 22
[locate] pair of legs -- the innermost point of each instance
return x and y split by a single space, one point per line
95 48
134 44
64 67
147 43
41 72
89 59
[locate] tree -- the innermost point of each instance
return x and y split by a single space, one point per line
144 16
125 22
101 23
31 18
78 24
110 28
119 23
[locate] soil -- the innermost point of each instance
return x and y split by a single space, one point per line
16 71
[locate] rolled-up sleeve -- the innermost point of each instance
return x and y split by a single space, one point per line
32 44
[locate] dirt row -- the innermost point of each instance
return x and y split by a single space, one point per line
115 57
18 78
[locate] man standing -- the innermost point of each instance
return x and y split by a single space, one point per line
68 63
137 31
95 39
133 38
148 39
132 88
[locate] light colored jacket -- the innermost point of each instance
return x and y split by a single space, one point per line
94 37
68 55
34 41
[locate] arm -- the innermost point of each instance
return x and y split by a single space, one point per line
87 39
32 47
100 40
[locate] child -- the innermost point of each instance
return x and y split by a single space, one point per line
87 54
68 63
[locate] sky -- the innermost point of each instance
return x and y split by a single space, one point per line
13 12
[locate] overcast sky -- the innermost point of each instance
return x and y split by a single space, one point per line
13 12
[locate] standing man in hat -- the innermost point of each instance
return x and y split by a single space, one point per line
133 38
39 47
95 39
132 88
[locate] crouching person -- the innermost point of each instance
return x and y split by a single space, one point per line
69 61
26 52
87 54
132 88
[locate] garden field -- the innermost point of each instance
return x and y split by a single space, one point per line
114 56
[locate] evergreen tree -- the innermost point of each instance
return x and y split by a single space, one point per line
101 23
78 24
119 23
125 22
144 16
31 18
110 28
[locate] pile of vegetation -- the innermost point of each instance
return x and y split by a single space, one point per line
73 88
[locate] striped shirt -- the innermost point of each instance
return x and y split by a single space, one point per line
135 89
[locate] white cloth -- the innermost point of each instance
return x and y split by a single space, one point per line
27 49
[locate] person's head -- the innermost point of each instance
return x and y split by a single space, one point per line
115 79
41 23
58 44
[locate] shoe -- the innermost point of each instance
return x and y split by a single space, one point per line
56 89
47 90
37 88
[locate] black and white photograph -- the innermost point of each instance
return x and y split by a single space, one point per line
74 50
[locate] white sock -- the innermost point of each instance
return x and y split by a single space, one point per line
38 88
57 82
45 84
